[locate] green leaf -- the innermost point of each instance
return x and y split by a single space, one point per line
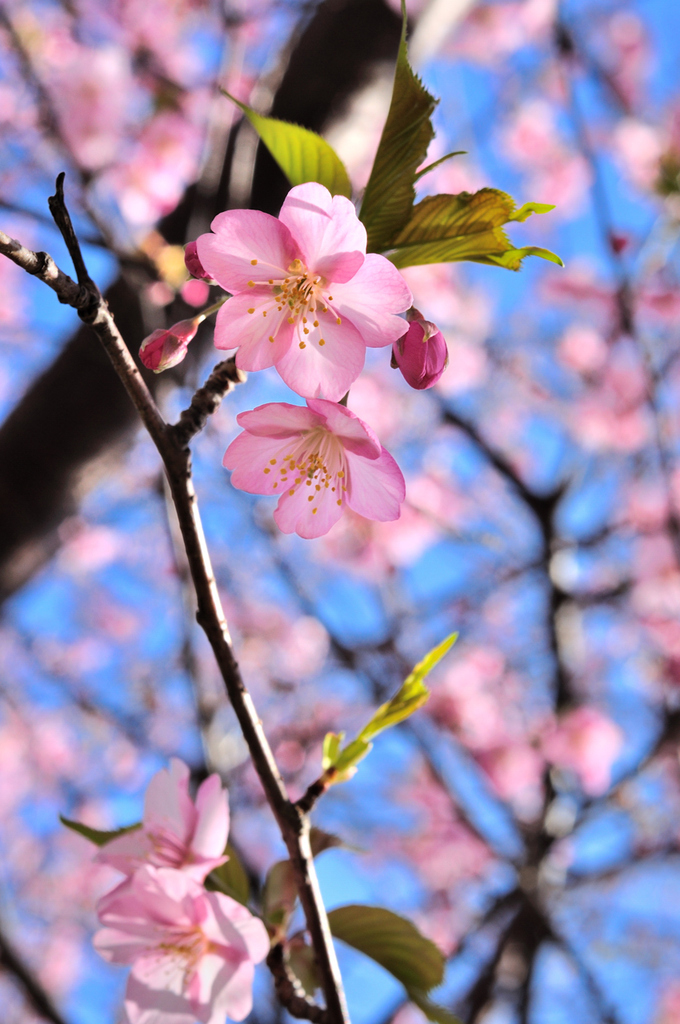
411 695
94 834
231 878
331 748
303 964
390 195
349 757
529 208
466 226
320 841
433 1011
392 941
280 893
436 163
301 154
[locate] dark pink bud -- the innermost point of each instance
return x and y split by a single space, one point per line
164 349
421 354
193 264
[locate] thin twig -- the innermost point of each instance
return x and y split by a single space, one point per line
207 399
294 826
62 219
289 990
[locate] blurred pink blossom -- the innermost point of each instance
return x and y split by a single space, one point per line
195 293
88 548
175 832
582 348
516 774
668 1010
587 742
638 148
192 952
163 160
556 173
493 31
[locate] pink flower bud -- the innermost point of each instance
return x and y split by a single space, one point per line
164 349
421 354
193 263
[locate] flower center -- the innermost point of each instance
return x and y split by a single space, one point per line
317 463
301 291
184 953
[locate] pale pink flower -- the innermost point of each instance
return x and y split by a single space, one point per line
192 952
319 460
421 354
175 833
305 296
165 348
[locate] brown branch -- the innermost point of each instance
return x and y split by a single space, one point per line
294 826
35 994
289 990
206 400
62 219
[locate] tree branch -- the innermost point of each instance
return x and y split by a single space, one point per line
36 995
207 399
294 826
289 990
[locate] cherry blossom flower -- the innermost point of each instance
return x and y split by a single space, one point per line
305 296
175 833
165 348
192 952
319 460
421 354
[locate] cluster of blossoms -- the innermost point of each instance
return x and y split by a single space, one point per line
307 299
192 952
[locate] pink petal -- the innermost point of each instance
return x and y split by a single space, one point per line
212 826
248 457
242 236
324 226
294 512
355 435
376 488
371 300
127 852
149 1005
327 370
341 266
234 922
237 327
277 419
232 994
167 803
150 899
118 946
